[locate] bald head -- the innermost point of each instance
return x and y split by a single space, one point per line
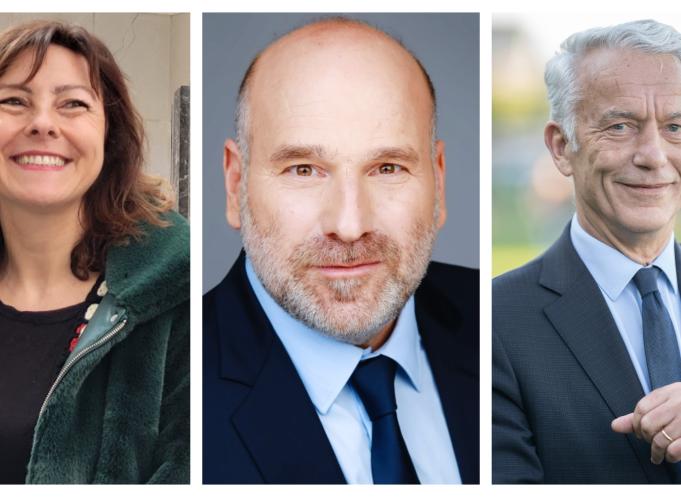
328 51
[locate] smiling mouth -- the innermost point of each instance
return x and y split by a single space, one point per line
644 186
40 161
646 192
647 185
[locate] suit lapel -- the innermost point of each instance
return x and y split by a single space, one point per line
583 320
277 421
452 352
281 429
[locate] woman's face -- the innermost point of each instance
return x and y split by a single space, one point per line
51 132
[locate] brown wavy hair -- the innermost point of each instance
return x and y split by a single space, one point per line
122 197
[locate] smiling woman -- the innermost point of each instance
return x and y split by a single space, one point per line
52 136
94 282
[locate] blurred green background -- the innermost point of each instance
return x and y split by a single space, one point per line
532 202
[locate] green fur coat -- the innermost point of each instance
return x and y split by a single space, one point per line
119 413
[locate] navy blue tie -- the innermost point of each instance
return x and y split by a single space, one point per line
374 381
659 339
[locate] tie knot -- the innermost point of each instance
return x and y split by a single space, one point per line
646 280
374 381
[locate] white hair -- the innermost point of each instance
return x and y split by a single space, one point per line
560 76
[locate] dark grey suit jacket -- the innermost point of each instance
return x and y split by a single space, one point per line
561 374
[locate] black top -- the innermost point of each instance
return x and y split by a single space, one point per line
33 349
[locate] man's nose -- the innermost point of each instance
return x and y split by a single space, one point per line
42 122
348 209
650 148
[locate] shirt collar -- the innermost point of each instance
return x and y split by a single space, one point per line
325 364
613 270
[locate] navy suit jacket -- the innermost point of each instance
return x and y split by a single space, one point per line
259 424
561 373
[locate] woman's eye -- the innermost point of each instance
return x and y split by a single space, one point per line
13 101
74 104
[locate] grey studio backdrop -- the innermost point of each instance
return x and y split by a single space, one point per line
448 47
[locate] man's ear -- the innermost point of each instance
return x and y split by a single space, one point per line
440 169
557 143
232 167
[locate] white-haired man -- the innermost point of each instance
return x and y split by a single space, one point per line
586 358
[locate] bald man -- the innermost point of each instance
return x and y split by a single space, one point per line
334 351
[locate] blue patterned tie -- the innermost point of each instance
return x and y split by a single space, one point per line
659 339
374 381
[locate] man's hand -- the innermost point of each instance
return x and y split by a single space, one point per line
657 419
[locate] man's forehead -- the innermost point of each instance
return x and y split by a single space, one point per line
623 67
618 82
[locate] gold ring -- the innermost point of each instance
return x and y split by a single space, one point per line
667 436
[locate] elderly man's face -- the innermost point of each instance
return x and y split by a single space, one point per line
627 169
341 189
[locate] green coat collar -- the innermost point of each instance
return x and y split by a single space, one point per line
151 275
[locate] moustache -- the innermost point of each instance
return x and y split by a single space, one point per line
328 251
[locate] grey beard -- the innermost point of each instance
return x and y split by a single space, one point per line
355 318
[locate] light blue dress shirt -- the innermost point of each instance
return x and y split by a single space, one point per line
613 272
325 366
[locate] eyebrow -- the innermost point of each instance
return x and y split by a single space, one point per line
57 90
64 88
617 114
298 152
317 152
23 88
407 154
623 114
673 115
